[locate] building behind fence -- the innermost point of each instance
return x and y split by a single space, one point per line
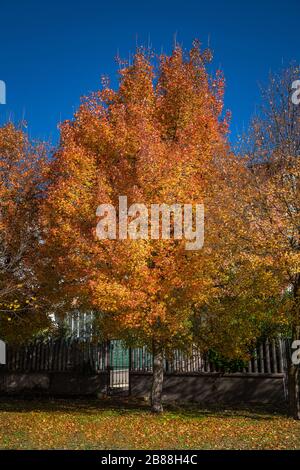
74 367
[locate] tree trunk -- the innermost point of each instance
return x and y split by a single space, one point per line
294 399
294 381
293 369
158 377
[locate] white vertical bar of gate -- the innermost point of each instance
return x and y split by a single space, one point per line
2 352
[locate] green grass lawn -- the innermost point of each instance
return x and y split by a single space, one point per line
108 424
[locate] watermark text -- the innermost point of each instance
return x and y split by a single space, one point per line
177 221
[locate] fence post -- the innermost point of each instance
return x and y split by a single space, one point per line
129 372
107 365
284 351
268 359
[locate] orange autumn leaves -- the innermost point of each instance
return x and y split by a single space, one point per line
23 169
78 424
160 138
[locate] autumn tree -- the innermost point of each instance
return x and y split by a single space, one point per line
159 138
272 150
22 183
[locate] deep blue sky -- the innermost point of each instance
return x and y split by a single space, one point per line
53 52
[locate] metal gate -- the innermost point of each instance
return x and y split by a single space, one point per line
119 365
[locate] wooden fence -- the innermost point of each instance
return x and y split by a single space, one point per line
61 355
56 355
267 358
77 367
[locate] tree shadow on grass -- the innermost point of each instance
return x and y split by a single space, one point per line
253 412
69 405
125 406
